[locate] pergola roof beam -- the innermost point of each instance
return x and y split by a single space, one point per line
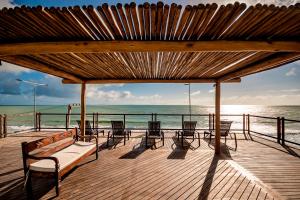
147 46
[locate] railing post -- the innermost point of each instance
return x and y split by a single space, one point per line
213 121
35 121
67 124
282 131
152 117
278 130
1 126
93 120
155 116
97 120
248 128
209 121
182 120
40 114
244 124
124 120
5 126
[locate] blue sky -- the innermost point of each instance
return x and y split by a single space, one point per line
280 86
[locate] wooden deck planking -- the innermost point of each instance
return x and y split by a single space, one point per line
257 170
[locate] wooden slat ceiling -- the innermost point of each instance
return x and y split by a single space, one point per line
149 22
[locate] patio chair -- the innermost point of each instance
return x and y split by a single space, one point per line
88 129
154 131
225 131
188 130
117 130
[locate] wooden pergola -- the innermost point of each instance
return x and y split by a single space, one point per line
151 43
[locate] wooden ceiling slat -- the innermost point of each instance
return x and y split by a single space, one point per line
124 21
147 24
159 19
183 21
91 12
119 23
128 16
153 21
175 21
133 11
164 22
141 21
170 20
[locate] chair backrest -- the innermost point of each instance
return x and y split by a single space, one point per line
189 128
154 128
225 127
88 127
117 127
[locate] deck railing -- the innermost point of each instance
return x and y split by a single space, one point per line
3 126
247 127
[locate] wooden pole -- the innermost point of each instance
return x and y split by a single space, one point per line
217 111
83 107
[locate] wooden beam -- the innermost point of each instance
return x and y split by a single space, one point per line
83 109
263 65
218 117
35 65
146 46
112 81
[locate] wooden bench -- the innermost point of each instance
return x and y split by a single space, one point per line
54 156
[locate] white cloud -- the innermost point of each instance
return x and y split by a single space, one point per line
291 72
11 68
195 93
7 3
211 91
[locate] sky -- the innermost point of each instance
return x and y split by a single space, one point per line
280 86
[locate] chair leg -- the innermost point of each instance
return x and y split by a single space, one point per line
57 184
199 138
235 141
107 139
29 186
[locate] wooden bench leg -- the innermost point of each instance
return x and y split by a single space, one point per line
57 184
29 186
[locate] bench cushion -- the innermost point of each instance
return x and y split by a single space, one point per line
65 157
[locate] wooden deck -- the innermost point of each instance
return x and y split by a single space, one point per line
259 169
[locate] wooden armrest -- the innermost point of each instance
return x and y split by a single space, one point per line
43 158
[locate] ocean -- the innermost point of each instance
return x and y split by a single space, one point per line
21 117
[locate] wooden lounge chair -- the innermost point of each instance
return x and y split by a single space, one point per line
154 131
117 130
188 130
225 131
89 130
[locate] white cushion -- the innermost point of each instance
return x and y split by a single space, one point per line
65 157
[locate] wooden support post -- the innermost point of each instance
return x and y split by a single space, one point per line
278 130
282 131
83 107
218 116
